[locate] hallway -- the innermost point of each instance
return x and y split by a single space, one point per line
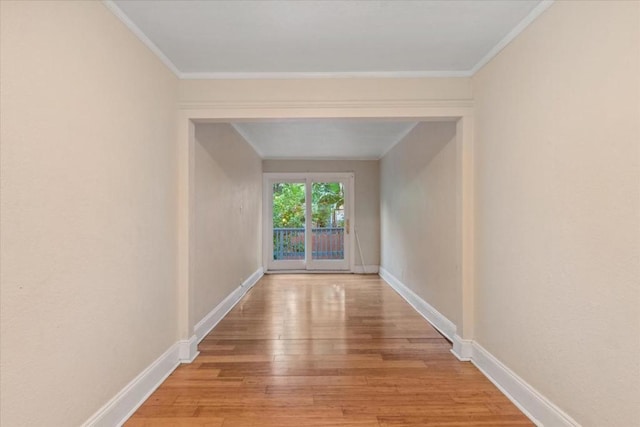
326 350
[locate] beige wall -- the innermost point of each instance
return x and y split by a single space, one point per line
558 213
418 215
367 197
88 210
88 184
227 215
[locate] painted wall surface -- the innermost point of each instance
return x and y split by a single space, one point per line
227 215
418 215
367 197
318 90
557 161
88 210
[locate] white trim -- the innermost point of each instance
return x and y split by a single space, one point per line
277 75
462 349
320 158
307 272
188 349
113 8
209 321
352 218
511 35
397 141
295 105
284 75
433 316
267 195
308 265
366 269
534 405
117 410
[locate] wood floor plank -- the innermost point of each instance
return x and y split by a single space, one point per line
326 350
176 422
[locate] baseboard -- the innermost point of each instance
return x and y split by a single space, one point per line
124 404
462 349
366 269
307 272
433 316
533 404
209 321
188 349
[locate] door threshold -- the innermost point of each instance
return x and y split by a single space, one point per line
308 272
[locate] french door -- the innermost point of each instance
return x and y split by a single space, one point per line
308 221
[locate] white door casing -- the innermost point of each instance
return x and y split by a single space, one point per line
308 263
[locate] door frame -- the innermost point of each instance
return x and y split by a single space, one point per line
307 177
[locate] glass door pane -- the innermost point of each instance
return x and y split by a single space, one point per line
288 211
327 221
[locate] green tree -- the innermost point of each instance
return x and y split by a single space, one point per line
288 205
327 197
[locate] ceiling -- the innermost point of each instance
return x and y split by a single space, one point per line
209 39
323 138
341 38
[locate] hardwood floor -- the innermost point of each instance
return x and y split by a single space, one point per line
326 350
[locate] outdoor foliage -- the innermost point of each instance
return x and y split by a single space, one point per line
327 197
289 204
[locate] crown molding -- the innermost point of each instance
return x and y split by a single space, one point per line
113 8
526 21
322 75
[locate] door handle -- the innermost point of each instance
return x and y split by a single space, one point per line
347 226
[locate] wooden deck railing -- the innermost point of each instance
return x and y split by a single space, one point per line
326 243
